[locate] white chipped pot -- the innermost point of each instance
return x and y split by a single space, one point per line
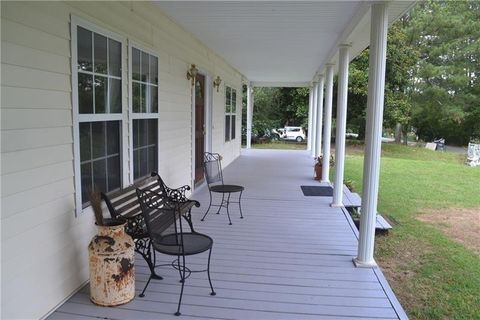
112 272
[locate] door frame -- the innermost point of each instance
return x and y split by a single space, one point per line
208 102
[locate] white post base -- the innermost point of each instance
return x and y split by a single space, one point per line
336 205
361 264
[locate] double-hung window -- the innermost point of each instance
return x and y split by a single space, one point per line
97 100
230 113
144 112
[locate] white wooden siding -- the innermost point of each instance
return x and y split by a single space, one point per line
35 59
35 118
23 77
32 37
13 97
22 160
25 139
44 255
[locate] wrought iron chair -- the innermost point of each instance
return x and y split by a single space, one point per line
214 177
166 207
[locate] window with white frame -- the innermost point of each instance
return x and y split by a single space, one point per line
144 99
230 113
97 85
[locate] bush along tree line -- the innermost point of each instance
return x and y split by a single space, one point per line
276 108
432 79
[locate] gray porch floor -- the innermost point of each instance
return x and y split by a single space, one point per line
290 258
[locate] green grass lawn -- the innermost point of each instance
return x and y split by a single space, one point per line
433 276
286 145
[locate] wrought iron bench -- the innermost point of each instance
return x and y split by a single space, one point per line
124 203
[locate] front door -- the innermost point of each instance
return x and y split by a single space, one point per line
199 126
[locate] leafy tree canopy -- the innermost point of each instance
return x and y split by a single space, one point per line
446 87
278 107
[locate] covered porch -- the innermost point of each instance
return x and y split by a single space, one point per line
290 258
318 42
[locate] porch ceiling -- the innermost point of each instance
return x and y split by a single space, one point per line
283 43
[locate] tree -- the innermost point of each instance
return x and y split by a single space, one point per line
432 73
278 107
447 94
295 102
401 58
357 94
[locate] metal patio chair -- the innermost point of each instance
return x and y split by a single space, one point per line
163 208
214 177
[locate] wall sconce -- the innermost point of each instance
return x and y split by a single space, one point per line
216 82
192 73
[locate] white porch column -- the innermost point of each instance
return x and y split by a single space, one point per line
249 115
341 125
319 106
310 110
314 119
327 128
373 135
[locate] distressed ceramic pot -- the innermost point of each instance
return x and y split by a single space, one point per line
318 171
112 272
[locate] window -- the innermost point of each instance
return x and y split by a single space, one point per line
145 151
144 112
230 113
97 103
99 156
144 82
99 73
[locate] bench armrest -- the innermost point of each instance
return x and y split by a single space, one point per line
177 195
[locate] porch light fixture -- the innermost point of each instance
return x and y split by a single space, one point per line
192 73
216 82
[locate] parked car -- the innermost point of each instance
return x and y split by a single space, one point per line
260 136
291 133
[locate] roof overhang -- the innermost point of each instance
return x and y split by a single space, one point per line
279 43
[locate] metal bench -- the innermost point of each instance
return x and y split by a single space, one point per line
124 203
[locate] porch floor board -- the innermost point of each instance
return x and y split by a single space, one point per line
289 258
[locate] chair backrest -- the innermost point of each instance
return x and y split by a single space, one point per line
158 211
212 167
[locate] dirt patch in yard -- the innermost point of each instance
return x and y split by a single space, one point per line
400 266
460 224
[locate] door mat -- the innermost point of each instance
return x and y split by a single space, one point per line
318 191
